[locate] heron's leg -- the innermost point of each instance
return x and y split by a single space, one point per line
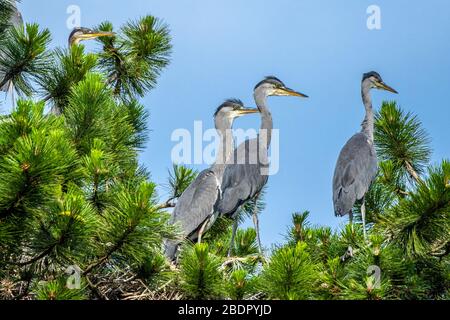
202 230
13 98
363 215
350 218
349 252
233 235
256 223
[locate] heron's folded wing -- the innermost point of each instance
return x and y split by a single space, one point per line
197 202
243 179
356 167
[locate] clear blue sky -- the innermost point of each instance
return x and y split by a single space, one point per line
321 47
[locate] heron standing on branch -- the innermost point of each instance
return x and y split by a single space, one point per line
356 166
248 173
196 210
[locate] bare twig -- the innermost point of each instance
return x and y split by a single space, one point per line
95 289
38 257
95 264
232 260
412 172
167 204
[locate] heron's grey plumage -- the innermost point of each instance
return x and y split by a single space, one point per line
198 203
246 176
195 206
355 170
15 21
242 182
356 167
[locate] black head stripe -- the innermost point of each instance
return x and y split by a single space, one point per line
372 74
230 103
80 29
271 80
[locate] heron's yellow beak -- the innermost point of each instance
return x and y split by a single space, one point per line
242 112
384 86
97 34
289 92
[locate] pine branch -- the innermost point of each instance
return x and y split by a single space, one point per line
37 258
179 179
94 288
135 57
23 57
67 69
412 172
400 139
167 204
109 253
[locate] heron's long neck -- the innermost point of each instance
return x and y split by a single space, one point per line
266 117
74 41
225 148
368 123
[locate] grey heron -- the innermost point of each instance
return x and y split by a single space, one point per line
246 176
81 34
356 166
15 21
195 210
77 35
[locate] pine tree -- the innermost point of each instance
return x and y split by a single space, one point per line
200 273
80 218
74 194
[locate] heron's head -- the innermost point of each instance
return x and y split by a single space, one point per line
231 109
81 34
272 86
228 111
373 80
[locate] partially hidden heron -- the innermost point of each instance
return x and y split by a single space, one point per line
15 21
196 210
248 173
81 34
77 35
16 18
356 166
